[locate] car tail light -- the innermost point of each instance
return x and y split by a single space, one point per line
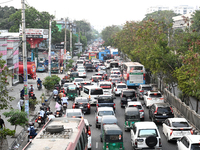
156 111
74 83
73 106
171 109
142 110
96 118
120 146
80 87
115 89
136 143
114 105
88 105
144 75
57 112
171 131
160 144
30 137
39 117
89 132
106 147
149 98
126 122
191 131
142 91
92 80
161 98
97 105
128 76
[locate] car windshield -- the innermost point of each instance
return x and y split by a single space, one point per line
132 117
78 80
147 132
114 76
79 62
103 113
105 99
115 80
116 72
81 70
165 110
105 86
180 124
128 94
96 92
121 86
66 85
136 68
88 65
155 95
80 100
138 106
146 88
195 146
113 138
97 78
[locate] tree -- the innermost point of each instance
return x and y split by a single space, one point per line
196 21
16 118
108 34
5 99
49 82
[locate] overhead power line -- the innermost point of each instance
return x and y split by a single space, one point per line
6 2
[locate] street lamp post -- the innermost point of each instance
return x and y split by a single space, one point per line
49 67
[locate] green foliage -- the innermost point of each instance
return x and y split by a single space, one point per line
196 21
5 99
108 34
49 82
33 102
16 117
79 55
69 64
5 132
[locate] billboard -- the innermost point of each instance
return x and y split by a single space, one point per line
36 33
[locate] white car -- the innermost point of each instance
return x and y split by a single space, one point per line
80 67
189 142
107 63
137 104
102 111
113 76
114 69
145 135
82 73
175 128
77 81
118 88
152 97
106 86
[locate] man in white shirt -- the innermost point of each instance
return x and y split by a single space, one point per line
42 114
55 92
31 88
64 100
50 116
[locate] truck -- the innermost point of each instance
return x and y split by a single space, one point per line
31 71
55 67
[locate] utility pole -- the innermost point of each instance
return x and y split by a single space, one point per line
65 44
49 48
71 40
25 60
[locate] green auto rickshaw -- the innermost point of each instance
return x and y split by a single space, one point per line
73 75
132 115
71 92
112 137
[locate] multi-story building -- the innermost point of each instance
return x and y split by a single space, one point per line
182 9
9 48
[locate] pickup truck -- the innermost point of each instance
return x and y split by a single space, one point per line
105 101
89 67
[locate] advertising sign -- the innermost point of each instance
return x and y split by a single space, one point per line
36 33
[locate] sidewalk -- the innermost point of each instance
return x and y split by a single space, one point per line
14 91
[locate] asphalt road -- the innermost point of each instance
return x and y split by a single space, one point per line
96 143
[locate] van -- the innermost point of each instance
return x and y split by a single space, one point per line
107 87
91 92
108 119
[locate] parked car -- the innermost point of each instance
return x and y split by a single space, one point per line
152 97
102 111
142 89
176 128
127 95
82 103
138 105
189 142
159 112
145 135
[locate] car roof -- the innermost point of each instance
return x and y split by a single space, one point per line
193 138
92 87
146 125
130 110
135 103
177 119
112 129
80 98
105 109
128 90
96 76
109 118
154 91
69 83
85 82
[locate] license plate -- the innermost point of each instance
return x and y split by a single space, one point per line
65 105
54 96
164 114
57 115
81 107
39 121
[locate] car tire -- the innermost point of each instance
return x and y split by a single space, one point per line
151 141
142 119
168 140
97 126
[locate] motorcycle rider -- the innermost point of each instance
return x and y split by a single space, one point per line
39 82
57 86
31 88
60 95
50 116
42 114
64 100
22 93
58 108
61 69
31 130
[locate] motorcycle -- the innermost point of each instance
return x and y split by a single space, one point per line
64 106
30 138
40 121
31 94
61 71
55 97
39 86
58 114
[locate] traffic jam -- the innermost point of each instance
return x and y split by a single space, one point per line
121 110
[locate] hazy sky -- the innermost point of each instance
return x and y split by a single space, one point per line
100 13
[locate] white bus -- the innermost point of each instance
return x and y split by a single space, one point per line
133 73
61 134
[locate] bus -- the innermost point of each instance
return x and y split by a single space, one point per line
61 133
133 73
92 55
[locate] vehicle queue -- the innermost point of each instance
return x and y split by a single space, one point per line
112 78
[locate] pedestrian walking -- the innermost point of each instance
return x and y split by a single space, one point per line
2 123
21 103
